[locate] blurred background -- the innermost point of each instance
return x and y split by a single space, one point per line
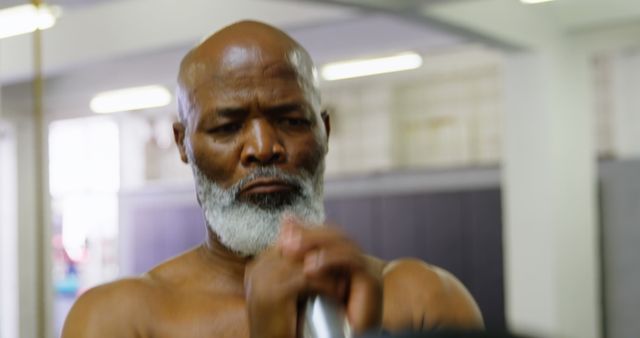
501 141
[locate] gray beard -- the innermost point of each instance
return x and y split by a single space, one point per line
247 227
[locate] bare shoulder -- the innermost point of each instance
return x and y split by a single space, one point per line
124 308
422 296
116 309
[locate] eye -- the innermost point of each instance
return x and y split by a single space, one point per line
227 128
296 122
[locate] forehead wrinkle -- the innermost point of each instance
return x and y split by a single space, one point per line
242 89
243 59
243 97
250 78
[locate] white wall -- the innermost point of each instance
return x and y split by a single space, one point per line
551 230
626 103
8 235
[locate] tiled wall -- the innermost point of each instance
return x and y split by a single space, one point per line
448 113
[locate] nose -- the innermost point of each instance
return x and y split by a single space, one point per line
262 146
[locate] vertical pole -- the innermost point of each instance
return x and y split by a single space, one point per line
40 203
549 181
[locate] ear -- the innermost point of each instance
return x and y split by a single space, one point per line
327 122
179 133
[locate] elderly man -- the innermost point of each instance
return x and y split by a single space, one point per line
253 133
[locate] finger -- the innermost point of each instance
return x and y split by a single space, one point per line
297 241
289 237
335 286
278 278
340 257
364 307
271 285
274 276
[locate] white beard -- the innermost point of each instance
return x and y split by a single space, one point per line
247 228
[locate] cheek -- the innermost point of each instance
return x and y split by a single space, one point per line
307 153
217 160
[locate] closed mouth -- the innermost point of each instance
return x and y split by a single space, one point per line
266 186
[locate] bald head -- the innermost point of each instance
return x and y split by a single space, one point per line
238 52
250 110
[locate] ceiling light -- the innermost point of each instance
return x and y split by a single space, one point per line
534 1
26 19
128 99
365 67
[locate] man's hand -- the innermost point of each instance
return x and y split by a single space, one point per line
308 261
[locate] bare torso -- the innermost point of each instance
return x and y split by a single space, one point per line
199 295
187 297
209 303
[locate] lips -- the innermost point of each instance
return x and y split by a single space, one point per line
265 186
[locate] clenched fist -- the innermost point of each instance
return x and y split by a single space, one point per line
305 261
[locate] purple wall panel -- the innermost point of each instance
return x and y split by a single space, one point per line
399 233
356 217
483 249
440 229
162 232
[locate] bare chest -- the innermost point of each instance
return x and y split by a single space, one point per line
197 316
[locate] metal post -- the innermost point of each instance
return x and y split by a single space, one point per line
40 203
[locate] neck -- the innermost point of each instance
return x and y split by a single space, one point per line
225 260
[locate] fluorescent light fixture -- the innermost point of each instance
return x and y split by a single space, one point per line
26 19
135 98
534 1
365 67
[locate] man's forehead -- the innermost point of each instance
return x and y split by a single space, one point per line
239 57
269 77
248 74
245 91
243 57
245 62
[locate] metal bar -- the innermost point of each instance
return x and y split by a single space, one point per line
42 193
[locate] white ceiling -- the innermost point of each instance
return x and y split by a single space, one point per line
68 93
113 29
112 45
566 14
510 22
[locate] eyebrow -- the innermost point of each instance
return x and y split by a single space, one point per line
276 110
231 112
281 109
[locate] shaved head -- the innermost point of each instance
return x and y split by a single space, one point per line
244 47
